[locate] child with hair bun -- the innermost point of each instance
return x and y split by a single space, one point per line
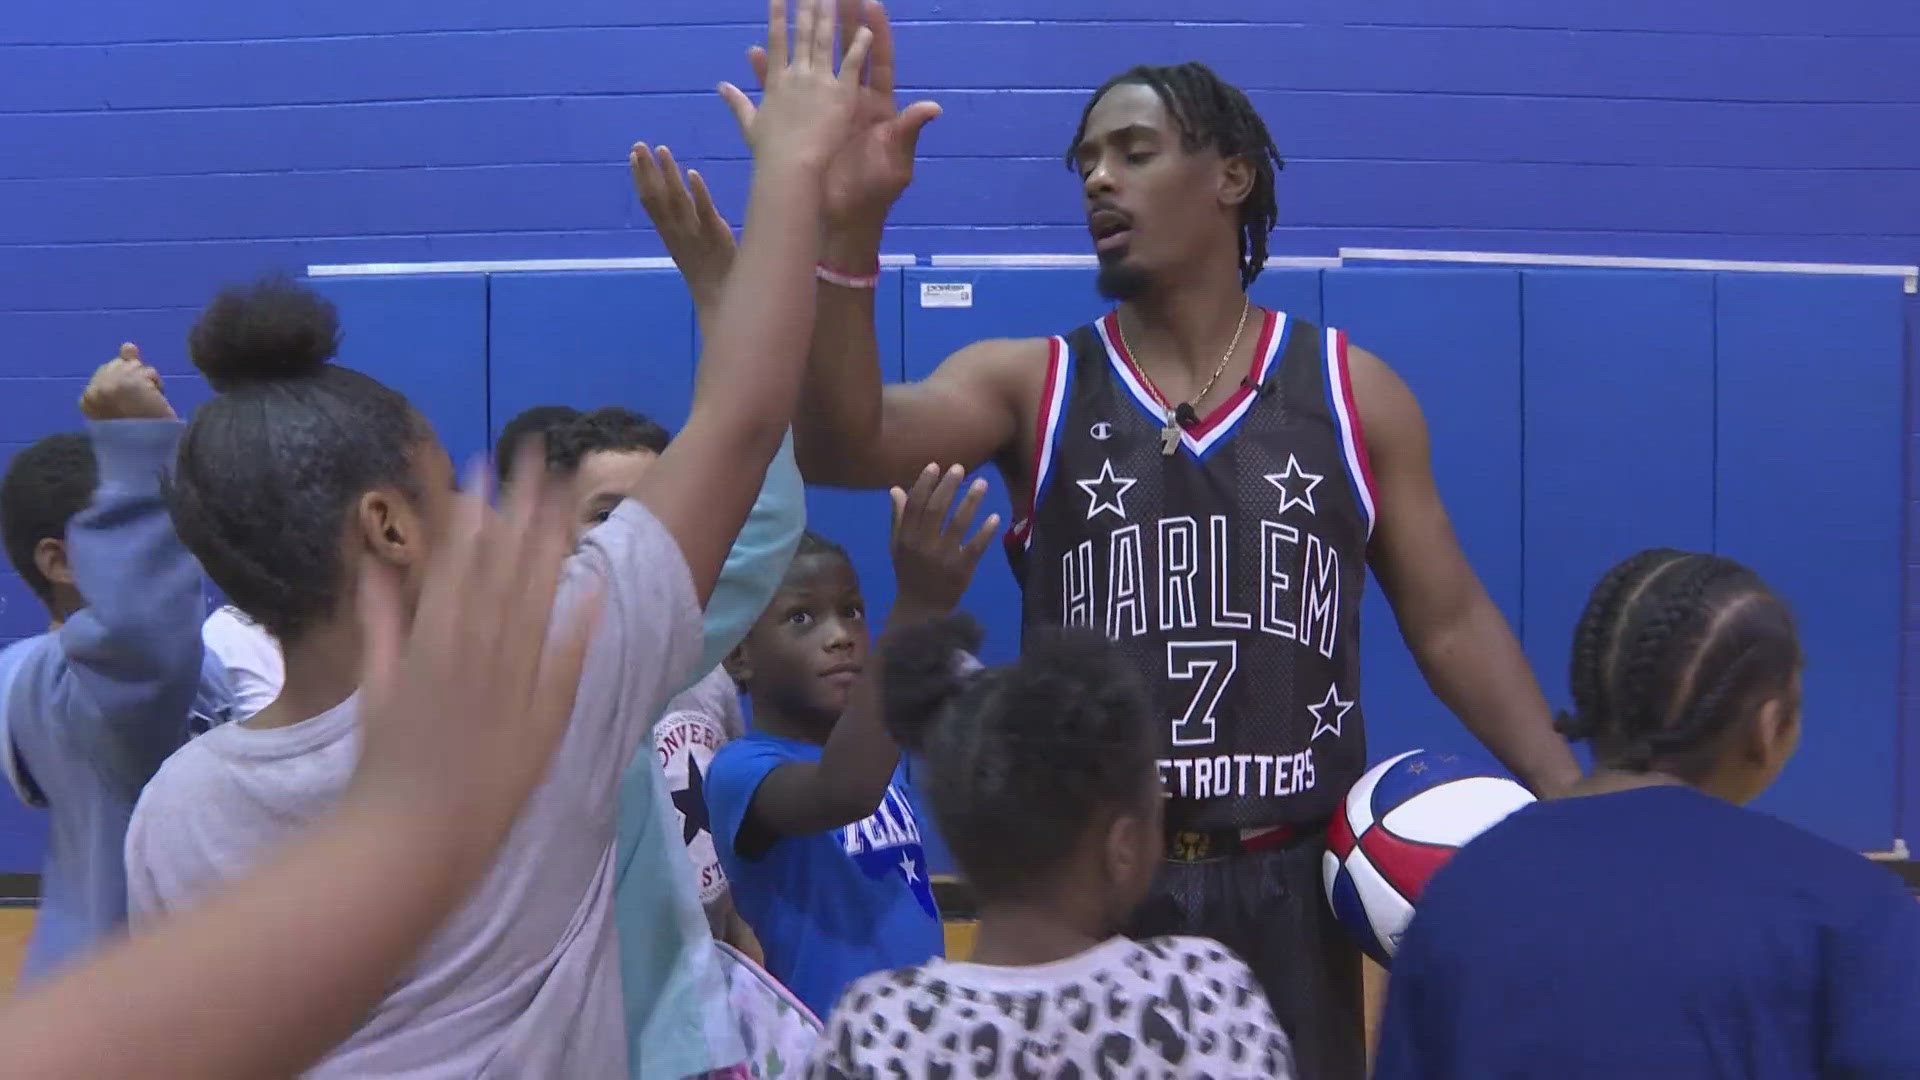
1042 778
1647 924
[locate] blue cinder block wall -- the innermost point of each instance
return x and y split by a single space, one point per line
149 151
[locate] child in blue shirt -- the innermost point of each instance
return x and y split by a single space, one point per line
1647 924
811 812
89 709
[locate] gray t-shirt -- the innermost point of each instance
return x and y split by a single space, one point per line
523 980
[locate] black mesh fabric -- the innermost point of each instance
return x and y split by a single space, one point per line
1258 680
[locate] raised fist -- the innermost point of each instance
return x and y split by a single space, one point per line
125 388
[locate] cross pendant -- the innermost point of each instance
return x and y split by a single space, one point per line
1169 438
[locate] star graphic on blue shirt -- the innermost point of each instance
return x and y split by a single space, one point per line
691 801
1107 491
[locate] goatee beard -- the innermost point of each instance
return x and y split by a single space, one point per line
1119 282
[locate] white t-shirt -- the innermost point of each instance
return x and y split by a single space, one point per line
697 724
523 980
251 656
1165 1007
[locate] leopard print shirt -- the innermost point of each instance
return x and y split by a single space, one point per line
1166 1007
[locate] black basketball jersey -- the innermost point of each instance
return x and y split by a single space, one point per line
1230 570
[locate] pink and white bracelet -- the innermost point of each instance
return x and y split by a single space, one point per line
846 281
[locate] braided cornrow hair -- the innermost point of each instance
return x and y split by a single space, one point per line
1213 113
1673 648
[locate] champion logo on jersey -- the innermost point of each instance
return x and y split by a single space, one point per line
888 842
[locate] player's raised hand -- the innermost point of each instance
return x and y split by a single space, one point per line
806 114
125 388
868 174
697 236
933 557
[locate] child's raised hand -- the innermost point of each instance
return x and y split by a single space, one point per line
807 111
125 388
933 559
681 208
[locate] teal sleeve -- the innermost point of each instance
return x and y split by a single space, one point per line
757 562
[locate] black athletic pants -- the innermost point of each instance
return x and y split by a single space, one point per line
1270 907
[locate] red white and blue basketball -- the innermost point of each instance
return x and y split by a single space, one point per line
1402 821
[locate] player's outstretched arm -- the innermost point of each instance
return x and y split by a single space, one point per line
848 431
750 365
1462 642
462 713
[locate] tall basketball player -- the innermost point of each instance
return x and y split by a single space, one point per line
1207 481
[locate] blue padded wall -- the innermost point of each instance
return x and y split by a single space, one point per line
425 336
1005 302
1619 388
1811 395
1289 289
618 337
1454 337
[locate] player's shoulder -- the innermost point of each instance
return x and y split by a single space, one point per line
1010 357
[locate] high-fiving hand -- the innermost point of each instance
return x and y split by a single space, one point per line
806 114
933 557
876 164
696 234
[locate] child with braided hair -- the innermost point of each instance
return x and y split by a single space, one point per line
1647 924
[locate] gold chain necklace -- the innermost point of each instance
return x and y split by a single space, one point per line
1188 411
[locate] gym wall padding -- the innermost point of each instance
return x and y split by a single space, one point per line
425 336
617 337
1619 391
1811 397
1000 303
1454 337
1290 289
1574 416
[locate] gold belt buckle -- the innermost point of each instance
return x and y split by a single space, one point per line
1192 846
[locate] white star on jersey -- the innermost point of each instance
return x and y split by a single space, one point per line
1289 495
1322 725
1107 491
909 869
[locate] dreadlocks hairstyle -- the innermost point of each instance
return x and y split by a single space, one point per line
1673 648
1019 760
611 428
45 485
1211 113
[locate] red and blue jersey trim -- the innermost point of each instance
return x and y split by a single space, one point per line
1221 420
1346 416
1053 407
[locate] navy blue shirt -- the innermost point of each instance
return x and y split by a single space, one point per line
830 907
1653 933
